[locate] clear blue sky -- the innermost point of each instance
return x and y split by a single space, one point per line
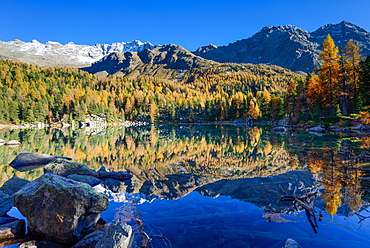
190 23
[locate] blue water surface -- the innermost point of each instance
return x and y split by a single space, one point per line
199 221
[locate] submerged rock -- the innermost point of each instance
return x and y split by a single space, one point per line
58 208
291 243
13 185
89 240
30 161
118 235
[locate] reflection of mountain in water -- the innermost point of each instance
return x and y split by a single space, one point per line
191 162
169 161
262 192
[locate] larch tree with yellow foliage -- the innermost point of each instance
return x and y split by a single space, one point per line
353 57
329 73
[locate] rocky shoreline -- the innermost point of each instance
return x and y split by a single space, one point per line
96 122
90 121
62 207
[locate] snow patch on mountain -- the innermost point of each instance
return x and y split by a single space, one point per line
137 198
81 54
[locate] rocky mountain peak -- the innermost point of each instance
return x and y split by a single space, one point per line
291 31
205 49
287 46
342 29
284 29
164 58
342 33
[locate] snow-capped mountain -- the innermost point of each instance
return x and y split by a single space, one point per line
53 53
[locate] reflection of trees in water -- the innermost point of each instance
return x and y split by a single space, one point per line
220 151
333 169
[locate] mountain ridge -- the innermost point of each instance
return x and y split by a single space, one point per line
288 46
54 53
170 61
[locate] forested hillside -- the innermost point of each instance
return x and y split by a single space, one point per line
30 93
216 92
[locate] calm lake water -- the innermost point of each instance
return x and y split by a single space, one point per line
219 186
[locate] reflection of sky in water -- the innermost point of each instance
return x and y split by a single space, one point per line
162 161
198 221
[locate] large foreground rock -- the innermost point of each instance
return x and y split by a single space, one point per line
118 235
58 208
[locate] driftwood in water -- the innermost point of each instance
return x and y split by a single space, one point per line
301 200
30 161
304 202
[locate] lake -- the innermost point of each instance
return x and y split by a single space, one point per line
220 186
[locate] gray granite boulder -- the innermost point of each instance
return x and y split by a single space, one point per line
89 240
13 185
60 209
6 203
66 168
90 180
118 235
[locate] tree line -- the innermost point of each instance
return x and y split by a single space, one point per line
29 93
341 83
229 91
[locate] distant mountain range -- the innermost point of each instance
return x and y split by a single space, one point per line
286 46
167 61
55 54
